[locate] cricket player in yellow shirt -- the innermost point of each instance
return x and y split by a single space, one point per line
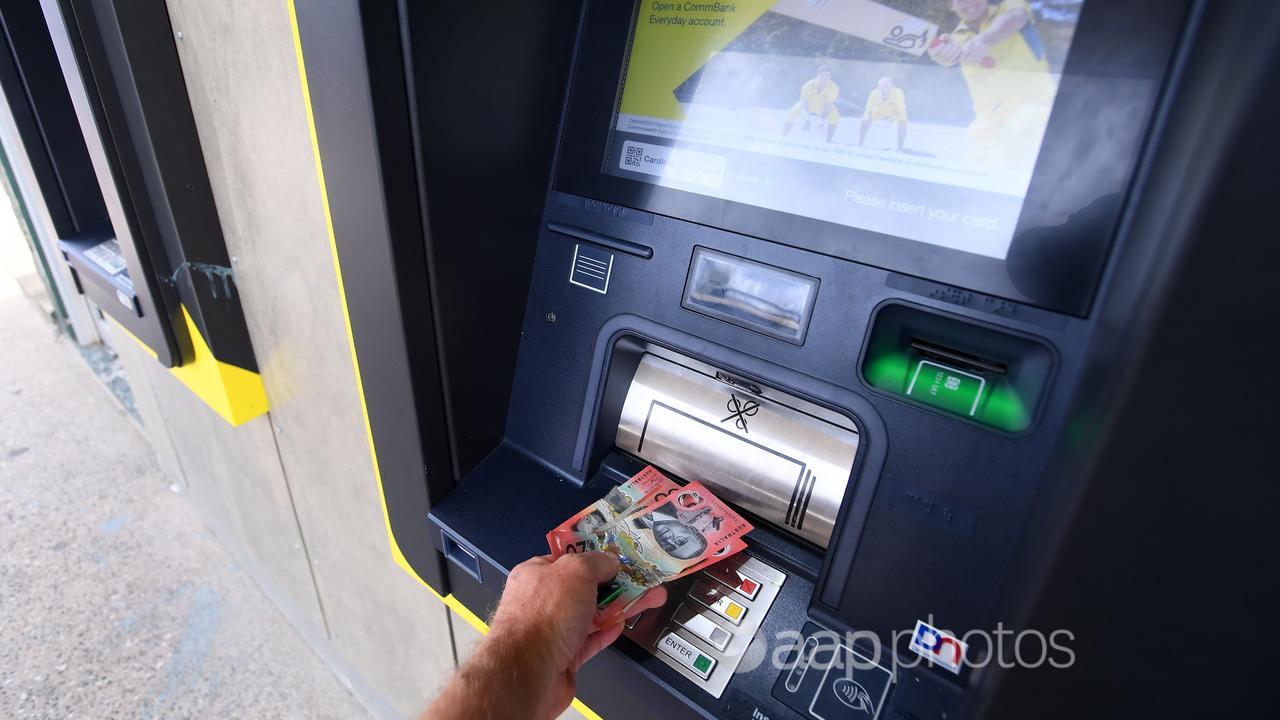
886 102
1012 92
817 97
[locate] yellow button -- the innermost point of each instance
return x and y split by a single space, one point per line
713 595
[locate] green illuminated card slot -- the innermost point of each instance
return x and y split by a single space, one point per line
959 368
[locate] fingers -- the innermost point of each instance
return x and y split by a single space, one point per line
595 642
949 51
605 636
657 597
974 51
599 566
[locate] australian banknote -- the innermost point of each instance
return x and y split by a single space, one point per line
620 501
668 534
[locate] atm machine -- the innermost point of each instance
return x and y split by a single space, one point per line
896 333
97 102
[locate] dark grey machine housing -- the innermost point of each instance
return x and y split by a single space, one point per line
491 380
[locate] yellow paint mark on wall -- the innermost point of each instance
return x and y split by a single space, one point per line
236 394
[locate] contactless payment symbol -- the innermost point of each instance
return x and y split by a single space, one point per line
852 687
938 646
854 695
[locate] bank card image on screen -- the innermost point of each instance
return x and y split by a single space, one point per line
920 119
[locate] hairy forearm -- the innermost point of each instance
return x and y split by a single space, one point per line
506 678
540 635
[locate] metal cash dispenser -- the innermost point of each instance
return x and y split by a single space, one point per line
779 457
710 237
782 459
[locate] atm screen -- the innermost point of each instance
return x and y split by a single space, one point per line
919 119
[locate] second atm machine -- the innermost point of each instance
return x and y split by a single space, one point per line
850 267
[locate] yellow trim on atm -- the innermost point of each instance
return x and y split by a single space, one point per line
236 394
233 392
449 600
396 553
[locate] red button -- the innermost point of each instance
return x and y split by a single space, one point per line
739 581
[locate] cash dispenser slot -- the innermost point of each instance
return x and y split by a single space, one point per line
779 457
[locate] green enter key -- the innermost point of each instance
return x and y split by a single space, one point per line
946 388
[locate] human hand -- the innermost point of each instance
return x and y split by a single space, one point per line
945 51
547 608
975 51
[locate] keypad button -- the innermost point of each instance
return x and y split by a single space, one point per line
704 628
715 597
738 581
686 654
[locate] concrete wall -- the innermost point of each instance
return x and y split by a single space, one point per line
293 493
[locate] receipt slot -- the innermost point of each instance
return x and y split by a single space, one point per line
689 235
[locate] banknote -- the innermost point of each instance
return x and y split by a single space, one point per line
620 501
669 534
673 534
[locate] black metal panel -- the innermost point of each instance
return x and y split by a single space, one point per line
410 158
46 120
361 122
149 119
484 132
1175 515
158 323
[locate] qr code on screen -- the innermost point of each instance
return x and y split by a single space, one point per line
633 155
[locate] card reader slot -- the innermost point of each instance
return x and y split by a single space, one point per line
947 364
958 357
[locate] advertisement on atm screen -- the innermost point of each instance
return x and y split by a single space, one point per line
920 119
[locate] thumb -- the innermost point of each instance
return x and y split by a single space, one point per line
595 642
601 566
